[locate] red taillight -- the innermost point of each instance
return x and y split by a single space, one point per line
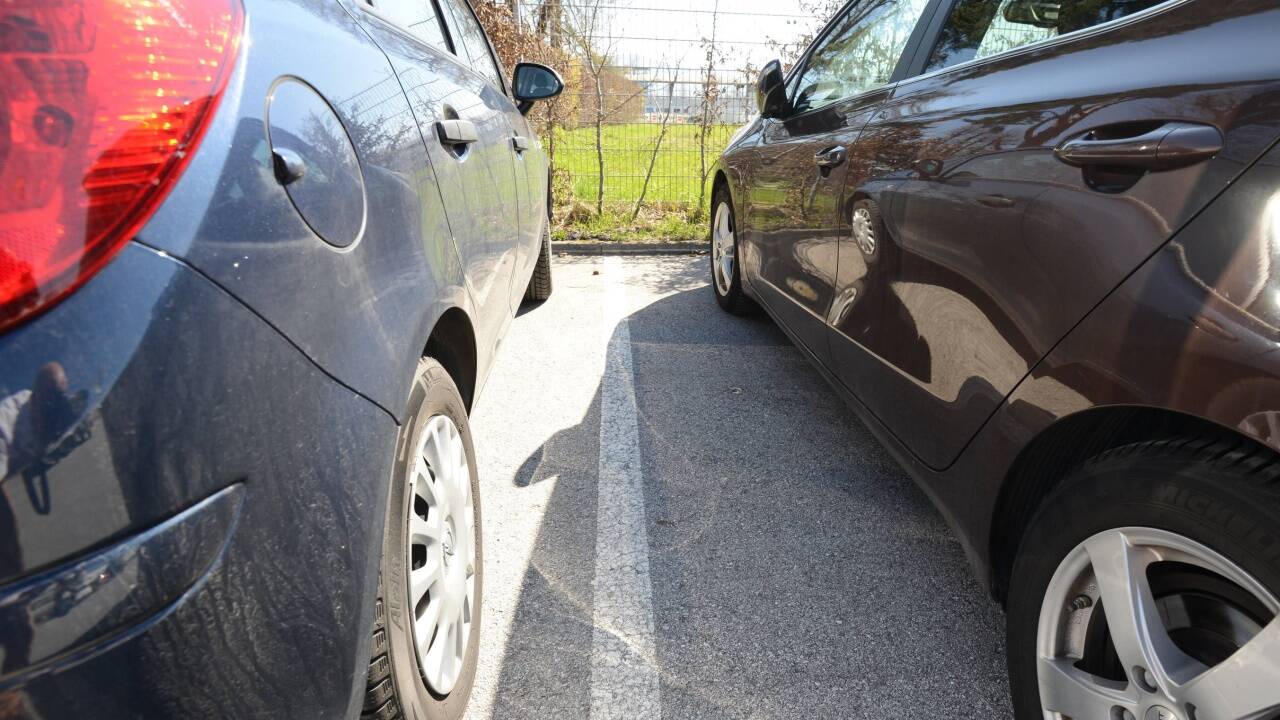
101 104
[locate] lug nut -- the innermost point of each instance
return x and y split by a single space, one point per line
1149 679
1080 602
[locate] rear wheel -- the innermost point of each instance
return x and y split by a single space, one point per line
427 625
726 272
1148 586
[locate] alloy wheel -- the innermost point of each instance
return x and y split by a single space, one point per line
441 568
1145 624
722 247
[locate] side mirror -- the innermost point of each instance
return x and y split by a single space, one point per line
771 91
532 82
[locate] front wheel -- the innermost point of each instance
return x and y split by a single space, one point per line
1148 586
539 287
726 271
426 631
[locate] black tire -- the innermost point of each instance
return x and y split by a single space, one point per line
395 687
1221 493
735 300
539 288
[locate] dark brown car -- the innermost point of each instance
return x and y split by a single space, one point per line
1032 243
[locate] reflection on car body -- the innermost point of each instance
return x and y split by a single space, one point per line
1050 298
240 275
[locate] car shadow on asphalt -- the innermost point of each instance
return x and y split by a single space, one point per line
528 306
795 570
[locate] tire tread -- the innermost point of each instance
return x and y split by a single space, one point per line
540 282
379 695
1261 464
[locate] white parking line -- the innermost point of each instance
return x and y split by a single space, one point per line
624 674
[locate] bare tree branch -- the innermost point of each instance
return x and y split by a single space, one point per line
657 146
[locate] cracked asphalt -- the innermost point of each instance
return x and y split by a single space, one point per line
793 569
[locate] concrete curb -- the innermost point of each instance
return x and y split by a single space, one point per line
628 248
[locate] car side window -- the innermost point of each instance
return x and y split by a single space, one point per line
859 54
981 28
419 17
473 48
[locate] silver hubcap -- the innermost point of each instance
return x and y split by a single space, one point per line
1163 682
442 583
863 233
722 248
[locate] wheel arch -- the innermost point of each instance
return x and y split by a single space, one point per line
720 179
1045 461
855 196
452 342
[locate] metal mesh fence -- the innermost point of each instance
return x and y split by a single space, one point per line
1003 35
660 132
652 93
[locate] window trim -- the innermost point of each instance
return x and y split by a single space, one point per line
905 58
488 46
916 70
369 7
446 24
803 61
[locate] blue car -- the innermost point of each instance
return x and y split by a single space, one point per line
256 257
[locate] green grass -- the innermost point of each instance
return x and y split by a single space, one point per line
615 224
627 150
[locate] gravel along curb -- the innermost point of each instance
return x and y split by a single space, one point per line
625 248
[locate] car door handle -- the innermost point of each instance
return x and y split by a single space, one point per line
1172 145
995 201
520 143
456 133
831 157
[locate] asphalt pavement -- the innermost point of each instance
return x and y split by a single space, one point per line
682 520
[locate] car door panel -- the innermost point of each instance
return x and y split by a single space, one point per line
520 253
794 206
477 180
794 222
531 181
471 43
991 259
